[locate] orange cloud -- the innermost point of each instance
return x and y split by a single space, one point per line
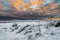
20 5
36 2
1 6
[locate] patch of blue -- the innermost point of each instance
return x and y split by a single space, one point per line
57 1
5 4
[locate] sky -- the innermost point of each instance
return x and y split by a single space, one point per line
6 4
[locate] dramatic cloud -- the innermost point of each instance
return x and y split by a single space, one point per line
23 4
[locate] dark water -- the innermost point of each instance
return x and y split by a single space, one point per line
12 18
24 18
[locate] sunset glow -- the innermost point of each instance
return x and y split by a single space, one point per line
22 5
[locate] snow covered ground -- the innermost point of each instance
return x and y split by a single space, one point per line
29 30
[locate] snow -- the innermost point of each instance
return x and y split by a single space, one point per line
29 30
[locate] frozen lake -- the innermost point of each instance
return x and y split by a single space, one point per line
29 30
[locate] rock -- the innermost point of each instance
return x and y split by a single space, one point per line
58 24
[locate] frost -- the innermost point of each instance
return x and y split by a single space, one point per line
30 30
